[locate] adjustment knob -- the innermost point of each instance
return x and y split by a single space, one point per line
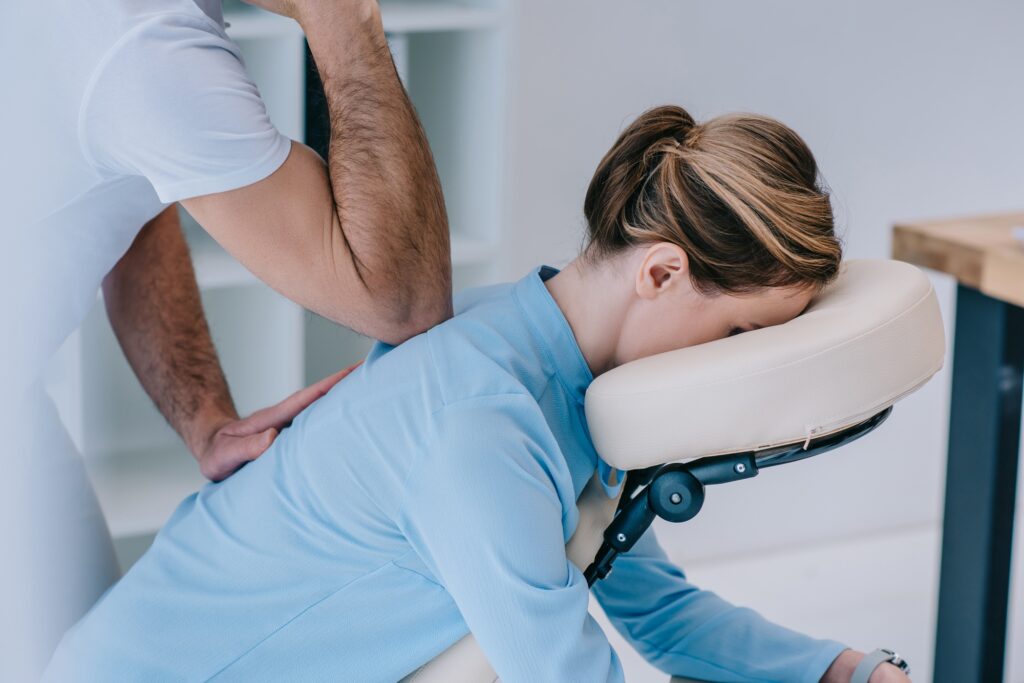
676 495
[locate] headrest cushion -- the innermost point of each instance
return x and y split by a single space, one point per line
871 337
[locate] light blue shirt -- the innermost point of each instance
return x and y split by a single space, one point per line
429 494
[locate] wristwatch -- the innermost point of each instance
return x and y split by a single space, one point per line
871 661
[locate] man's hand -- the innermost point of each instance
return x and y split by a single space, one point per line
843 666
153 304
233 442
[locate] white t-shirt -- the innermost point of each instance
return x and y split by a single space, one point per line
115 109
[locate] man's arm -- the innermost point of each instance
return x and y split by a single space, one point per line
153 304
363 240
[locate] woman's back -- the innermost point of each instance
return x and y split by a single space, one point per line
301 565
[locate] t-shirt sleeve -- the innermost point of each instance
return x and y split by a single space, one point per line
484 509
172 102
686 631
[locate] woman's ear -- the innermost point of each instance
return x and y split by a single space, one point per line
663 266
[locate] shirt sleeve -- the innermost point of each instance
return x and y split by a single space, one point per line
485 508
172 102
689 632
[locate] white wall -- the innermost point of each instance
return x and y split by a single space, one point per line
914 109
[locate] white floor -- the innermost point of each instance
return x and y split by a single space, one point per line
867 592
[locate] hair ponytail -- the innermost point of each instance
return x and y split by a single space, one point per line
738 193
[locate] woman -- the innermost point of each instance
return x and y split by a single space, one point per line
431 493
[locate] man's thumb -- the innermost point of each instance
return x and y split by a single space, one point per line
255 445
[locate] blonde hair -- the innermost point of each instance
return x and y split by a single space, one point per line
739 193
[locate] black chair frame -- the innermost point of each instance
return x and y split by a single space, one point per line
675 492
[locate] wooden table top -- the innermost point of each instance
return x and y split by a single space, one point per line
979 252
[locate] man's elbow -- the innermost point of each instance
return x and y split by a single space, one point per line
409 319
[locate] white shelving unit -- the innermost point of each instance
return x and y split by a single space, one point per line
450 56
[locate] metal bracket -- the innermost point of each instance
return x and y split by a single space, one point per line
675 492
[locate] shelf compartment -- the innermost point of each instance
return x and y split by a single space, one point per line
456 84
215 268
139 491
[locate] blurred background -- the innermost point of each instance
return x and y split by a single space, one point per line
913 110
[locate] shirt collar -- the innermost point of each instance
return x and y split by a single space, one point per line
554 336
560 349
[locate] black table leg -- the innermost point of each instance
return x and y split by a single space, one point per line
981 478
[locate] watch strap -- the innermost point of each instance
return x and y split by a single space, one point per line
868 665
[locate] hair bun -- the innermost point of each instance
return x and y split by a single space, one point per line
745 206
667 122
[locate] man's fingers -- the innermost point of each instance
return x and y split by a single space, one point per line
284 412
248 439
256 445
231 452
324 385
340 375
280 415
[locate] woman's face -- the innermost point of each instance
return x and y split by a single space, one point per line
669 313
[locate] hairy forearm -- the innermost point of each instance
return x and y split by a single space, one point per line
388 198
153 303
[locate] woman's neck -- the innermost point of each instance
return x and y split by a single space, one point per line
594 301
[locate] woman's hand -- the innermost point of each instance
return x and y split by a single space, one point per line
843 666
232 442
887 673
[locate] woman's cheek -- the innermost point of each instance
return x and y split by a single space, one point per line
667 334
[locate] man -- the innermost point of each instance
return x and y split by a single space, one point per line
129 107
